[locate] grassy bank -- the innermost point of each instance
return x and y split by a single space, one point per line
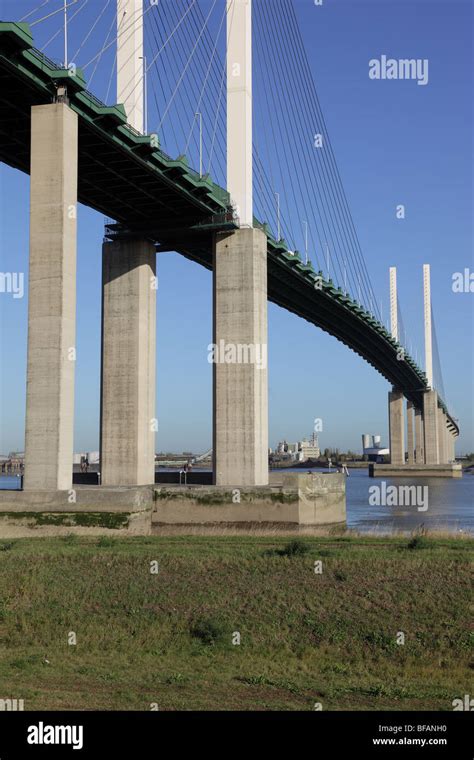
166 638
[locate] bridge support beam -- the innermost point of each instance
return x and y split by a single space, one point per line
52 299
431 427
240 359
410 434
128 422
419 437
396 427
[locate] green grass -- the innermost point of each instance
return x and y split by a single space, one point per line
169 638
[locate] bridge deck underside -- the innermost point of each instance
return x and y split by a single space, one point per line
122 183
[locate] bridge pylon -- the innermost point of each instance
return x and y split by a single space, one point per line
128 350
240 287
130 70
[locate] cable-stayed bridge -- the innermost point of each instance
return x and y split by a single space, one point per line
224 159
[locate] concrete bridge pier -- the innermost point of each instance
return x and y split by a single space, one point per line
442 437
419 437
240 359
410 433
396 427
128 425
451 448
52 298
431 426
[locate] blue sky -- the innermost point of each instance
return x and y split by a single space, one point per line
395 143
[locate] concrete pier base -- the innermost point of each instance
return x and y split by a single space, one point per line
316 499
396 427
240 359
52 298
128 424
431 427
83 510
292 500
415 471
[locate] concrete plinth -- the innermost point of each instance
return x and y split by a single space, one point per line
431 427
128 424
410 434
317 499
396 427
415 471
52 298
240 359
84 510
419 438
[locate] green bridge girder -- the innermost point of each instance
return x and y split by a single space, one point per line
131 180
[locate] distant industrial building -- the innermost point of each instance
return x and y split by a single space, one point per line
372 448
300 451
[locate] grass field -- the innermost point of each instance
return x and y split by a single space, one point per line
166 638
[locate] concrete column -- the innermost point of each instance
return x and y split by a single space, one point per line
449 445
396 427
442 442
128 422
453 447
431 427
52 298
240 358
410 434
419 437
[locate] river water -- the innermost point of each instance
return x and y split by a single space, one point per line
449 502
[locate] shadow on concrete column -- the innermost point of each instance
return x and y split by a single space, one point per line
419 437
410 434
396 427
128 424
431 427
240 359
442 437
52 299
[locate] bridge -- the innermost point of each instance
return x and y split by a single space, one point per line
77 148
